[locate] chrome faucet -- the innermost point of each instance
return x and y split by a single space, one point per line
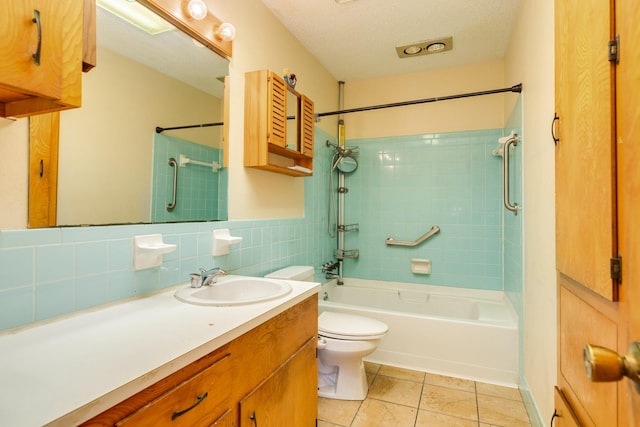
207 277
328 268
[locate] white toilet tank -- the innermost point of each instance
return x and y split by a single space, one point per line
303 273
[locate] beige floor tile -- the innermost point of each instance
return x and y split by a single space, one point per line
374 413
340 412
450 382
401 373
371 368
448 401
434 419
395 390
326 424
502 412
498 391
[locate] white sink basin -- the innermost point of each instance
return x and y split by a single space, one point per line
234 290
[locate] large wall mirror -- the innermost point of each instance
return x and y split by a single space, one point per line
113 165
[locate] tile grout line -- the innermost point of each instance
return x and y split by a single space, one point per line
424 380
475 389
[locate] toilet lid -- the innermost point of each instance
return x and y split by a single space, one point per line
349 326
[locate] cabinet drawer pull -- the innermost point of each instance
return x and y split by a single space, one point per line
201 397
254 418
553 128
36 20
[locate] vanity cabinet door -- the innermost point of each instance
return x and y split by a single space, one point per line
288 397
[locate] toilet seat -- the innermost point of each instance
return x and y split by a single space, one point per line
350 327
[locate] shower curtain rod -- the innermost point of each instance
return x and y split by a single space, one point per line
517 88
203 125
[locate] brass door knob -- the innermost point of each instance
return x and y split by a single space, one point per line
602 364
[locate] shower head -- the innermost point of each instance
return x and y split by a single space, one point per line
343 151
348 151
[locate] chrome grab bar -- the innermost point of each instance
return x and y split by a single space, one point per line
174 165
434 230
513 207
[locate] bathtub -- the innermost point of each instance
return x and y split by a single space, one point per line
463 333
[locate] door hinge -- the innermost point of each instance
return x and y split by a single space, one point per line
614 50
615 267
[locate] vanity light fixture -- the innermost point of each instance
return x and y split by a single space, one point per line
225 31
137 15
425 47
196 9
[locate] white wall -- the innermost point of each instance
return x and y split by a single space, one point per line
263 43
476 113
530 59
14 178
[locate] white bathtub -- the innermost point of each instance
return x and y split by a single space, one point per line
464 333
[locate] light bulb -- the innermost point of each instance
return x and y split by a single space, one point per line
226 32
197 9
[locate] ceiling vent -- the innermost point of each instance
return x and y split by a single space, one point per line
426 47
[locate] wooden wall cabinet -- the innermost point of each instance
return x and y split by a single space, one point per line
268 374
41 56
278 125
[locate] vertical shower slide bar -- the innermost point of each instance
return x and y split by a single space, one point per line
341 141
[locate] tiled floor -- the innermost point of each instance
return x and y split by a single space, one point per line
405 398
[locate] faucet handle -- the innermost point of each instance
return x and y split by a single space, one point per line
196 280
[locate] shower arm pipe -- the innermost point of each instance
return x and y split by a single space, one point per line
517 88
513 207
201 125
434 230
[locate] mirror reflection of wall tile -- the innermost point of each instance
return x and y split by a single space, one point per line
199 192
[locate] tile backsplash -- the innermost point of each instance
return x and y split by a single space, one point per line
51 272
402 187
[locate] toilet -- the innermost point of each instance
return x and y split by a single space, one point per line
343 341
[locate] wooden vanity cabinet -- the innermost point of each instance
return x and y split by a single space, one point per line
270 370
278 397
278 125
53 81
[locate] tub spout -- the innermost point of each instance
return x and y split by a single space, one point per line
335 276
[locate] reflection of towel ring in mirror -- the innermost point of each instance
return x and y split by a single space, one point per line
347 164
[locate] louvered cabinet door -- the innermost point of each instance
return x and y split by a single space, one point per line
307 127
277 123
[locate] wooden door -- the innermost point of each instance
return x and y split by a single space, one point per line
585 154
586 313
628 130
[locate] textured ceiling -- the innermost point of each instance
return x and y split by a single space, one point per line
357 39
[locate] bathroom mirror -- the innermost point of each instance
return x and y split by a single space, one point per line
111 165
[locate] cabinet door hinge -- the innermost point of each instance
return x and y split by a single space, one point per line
614 50
616 268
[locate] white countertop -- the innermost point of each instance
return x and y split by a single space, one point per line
67 371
